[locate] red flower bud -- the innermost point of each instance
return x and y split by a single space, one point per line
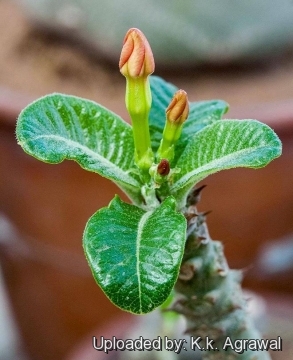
136 59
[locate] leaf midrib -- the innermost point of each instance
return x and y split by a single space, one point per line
116 169
140 228
185 178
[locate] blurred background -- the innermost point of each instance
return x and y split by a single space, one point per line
241 52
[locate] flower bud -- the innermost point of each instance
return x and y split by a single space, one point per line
178 109
163 167
136 64
136 58
176 113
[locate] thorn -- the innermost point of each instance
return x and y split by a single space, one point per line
190 216
221 272
194 196
182 309
234 306
203 240
182 302
206 213
187 313
247 268
187 272
197 191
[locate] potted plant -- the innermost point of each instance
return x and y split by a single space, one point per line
157 252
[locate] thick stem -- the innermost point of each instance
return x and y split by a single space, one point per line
210 296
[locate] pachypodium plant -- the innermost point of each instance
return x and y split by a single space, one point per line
140 253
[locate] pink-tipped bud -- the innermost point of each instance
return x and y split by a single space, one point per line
136 59
178 109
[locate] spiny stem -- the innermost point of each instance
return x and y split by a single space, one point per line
210 296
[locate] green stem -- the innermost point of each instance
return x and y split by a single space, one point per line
171 134
138 101
210 296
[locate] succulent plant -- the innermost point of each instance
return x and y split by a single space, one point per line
141 254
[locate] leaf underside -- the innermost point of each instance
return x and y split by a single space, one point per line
135 255
58 127
224 145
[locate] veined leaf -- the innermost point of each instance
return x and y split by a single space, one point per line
58 127
135 255
224 145
201 114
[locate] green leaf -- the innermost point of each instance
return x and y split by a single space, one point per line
201 114
135 255
58 127
224 145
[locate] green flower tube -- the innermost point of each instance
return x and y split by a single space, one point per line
136 64
176 114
